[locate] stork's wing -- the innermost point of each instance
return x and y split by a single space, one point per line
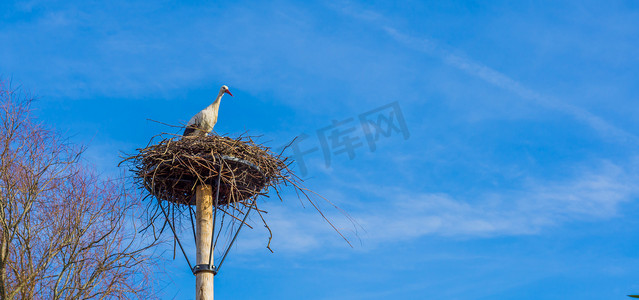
192 126
189 131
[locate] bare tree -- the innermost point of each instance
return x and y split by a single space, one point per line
65 233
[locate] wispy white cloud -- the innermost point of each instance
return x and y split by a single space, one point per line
592 195
453 58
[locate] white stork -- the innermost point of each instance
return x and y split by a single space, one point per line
202 123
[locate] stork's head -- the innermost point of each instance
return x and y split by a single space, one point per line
225 89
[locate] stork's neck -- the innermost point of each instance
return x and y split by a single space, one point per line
216 104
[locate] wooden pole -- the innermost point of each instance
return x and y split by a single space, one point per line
204 220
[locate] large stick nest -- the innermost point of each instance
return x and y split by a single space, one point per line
171 169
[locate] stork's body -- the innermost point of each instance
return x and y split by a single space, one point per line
204 121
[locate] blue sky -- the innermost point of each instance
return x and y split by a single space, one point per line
518 179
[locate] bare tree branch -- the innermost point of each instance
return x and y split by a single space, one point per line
65 233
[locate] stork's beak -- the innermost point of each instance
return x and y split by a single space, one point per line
228 92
